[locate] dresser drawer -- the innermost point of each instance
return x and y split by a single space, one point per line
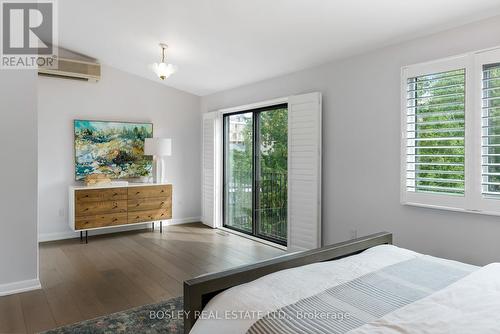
98 208
146 204
84 223
150 215
150 192
92 195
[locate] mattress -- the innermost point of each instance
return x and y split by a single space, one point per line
338 296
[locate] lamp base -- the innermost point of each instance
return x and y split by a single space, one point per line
158 170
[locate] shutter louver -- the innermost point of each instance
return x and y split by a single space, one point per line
490 139
435 133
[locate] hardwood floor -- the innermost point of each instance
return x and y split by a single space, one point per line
120 271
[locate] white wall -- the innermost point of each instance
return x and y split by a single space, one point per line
361 136
18 228
122 97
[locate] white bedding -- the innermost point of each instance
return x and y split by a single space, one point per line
285 287
468 306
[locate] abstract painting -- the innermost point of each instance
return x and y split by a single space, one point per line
112 148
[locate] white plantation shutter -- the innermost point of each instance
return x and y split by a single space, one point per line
488 116
210 191
490 126
437 102
435 132
304 171
450 148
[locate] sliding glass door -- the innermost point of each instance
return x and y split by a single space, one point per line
238 167
271 174
255 172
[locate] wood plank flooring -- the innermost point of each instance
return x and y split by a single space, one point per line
119 271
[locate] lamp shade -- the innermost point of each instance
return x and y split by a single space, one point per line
158 146
164 70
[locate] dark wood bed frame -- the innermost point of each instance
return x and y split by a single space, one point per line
198 291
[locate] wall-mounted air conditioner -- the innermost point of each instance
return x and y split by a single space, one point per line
73 69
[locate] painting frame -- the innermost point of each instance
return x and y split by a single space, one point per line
78 177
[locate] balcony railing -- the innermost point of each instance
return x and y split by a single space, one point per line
270 208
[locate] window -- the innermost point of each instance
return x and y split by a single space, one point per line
451 133
436 133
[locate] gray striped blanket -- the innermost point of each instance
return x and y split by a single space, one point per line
362 300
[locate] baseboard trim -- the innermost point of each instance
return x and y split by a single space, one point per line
44 237
21 286
182 221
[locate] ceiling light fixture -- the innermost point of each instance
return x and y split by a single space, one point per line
162 69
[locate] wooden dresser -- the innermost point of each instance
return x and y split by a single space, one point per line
100 207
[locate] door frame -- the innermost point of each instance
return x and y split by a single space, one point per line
256 111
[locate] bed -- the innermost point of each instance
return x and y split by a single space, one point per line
365 285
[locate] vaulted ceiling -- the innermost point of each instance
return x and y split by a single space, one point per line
221 44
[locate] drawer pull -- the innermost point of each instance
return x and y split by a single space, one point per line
163 190
115 194
137 193
162 203
115 219
86 196
137 217
86 209
137 204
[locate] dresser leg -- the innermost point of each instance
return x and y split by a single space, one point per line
161 226
153 226
86 237
81 236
